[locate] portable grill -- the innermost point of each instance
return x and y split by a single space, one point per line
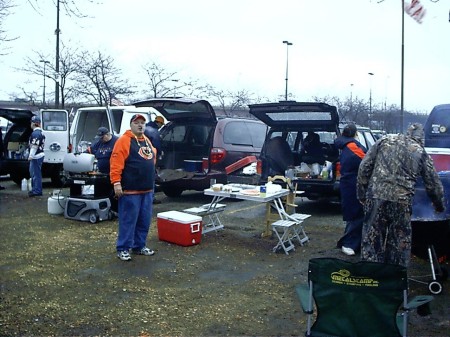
89 190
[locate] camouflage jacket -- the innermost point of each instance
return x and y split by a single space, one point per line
391 167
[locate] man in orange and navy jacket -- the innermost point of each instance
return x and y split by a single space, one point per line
132 174
352 152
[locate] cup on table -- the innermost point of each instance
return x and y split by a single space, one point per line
212 182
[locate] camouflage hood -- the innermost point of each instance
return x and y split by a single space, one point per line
415 131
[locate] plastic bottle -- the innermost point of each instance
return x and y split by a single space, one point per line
29 185
324 173
24 185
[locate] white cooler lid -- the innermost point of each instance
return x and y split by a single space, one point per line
179 217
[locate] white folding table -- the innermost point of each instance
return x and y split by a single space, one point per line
287 228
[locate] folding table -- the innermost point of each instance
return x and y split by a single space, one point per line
286 229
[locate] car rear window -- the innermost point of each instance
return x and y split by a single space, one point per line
242 133
189 134
300 115
54 120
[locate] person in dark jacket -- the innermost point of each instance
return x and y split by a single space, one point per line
352 152
36 156
102 150
152 132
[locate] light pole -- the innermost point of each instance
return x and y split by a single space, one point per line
43 90
174 87
57 32
370 95
351 98
287 63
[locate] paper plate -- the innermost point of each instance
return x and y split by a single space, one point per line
250 192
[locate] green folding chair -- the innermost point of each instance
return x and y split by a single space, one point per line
366 299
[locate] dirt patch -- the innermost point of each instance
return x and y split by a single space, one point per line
61 277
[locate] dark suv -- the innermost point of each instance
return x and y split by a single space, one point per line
197 146
300 144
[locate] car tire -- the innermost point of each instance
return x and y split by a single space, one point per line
172 192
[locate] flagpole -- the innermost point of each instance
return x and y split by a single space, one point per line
402 66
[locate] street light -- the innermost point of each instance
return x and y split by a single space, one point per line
287 62
370 95
43 90
57 32
174 87
351 98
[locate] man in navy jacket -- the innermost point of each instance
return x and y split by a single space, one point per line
352 152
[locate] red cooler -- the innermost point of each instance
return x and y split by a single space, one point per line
181 228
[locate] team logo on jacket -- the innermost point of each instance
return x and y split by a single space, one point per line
145 152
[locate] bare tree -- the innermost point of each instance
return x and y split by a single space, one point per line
5 11
230 101
99 80
161 81
38 64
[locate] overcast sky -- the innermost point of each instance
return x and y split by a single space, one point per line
237 44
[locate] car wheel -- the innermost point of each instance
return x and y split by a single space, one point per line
172 192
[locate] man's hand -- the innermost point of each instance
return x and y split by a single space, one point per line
118 192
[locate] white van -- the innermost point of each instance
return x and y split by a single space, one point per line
55 126
116 119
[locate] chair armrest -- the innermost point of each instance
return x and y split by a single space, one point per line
303 295
417 301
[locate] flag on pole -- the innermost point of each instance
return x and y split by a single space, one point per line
116 102
415 10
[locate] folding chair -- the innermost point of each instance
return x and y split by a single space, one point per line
366 299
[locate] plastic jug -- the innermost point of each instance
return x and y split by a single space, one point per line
24 185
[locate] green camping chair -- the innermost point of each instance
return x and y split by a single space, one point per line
357 299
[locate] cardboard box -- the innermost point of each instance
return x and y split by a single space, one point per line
180 228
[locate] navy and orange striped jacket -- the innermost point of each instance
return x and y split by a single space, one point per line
133 164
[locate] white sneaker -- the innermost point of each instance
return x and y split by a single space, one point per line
124 255
144 251
348 251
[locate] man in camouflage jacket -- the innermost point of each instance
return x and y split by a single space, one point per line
385 186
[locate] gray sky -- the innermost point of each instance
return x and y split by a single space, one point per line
237 44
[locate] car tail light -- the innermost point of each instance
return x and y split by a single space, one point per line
217 155
69 148
259 166
441 161
338 170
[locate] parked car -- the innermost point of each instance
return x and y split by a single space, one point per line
437 145
116 119
198 147
290 123
365 135
437 127
55 126
378 134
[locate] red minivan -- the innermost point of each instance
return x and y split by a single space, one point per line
197 146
